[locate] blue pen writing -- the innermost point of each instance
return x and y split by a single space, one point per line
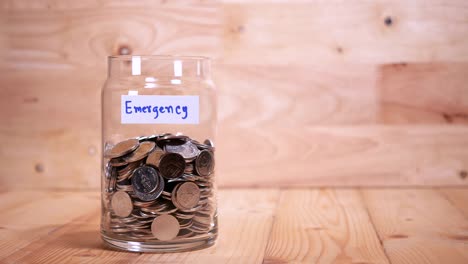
185 112
127 107
161 109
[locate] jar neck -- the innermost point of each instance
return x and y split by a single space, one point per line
159 67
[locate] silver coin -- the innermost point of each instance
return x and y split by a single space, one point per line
153 195
145 179
209 142
204 164
188 150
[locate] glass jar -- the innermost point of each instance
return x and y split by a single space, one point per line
158 129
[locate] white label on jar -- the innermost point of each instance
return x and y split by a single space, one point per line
159 109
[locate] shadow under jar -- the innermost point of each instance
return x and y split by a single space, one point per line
158 127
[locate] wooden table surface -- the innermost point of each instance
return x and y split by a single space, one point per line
371 225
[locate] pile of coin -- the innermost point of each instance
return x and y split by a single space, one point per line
159 187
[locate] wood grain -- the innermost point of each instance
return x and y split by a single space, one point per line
423 93
418 226
260 32
49 141
245 220
256 226
345 156
325 90
297 95
62 150
53 71
323 226
343 94
28 217
21 198
458 198
66 37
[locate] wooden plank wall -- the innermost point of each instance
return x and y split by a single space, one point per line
312 93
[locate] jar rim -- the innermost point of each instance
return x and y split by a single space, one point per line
158 57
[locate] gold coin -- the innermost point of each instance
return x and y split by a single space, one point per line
165 227
117 162
141 152
186 196
154 157
122 148
121 204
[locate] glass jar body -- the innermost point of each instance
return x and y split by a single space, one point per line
158 170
